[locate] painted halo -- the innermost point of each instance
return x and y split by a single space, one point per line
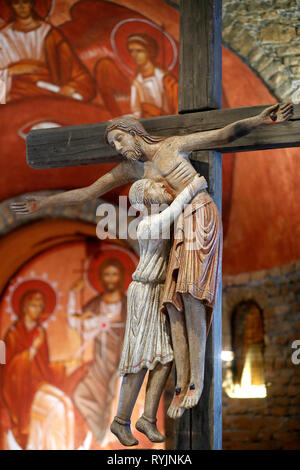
39 285
168 51
107 251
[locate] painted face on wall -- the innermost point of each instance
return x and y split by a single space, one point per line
138 53
22 8
34 306
111 278
126 144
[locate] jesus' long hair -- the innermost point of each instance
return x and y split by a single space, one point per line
131 126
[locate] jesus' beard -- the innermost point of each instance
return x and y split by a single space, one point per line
135 153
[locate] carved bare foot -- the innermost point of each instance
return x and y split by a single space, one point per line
148 427
121 429
175 411
192 396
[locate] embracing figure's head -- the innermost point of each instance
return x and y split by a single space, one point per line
145 192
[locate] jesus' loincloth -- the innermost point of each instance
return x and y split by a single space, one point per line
195 260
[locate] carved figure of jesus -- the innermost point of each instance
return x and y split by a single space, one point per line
147 342
192 275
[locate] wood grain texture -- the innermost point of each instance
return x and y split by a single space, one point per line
84 144
200 88
200 63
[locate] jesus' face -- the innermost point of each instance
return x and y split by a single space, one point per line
111 278
22 8
125 144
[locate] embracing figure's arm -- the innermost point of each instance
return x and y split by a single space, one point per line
125 172
199 140
170 214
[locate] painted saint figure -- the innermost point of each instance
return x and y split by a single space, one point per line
194 268
36 58
102 320
153 92
147 341
27 364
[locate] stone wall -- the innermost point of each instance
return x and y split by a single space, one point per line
272 422
265 34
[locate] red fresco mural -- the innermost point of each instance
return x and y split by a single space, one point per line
80 71
63 325
66 62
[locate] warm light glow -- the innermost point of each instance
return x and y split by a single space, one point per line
253 391
227 356
246 389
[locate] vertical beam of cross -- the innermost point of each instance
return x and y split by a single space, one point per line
200 89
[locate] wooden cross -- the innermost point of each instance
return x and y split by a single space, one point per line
200 90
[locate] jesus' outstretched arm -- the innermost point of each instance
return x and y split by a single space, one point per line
124 173
202 140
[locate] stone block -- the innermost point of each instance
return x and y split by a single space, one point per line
280 401
281 411
242 278
274 33
233 32
241 422
285 289
263 62
281 310
286 436
245 44
284 3
237 406
285 90
293 60
275 272
292 424
278 78
272 423
238 436
295 380
296 70
270 15
280 363
276 390
295 400
226 21
288 50
258 275
258 423
294 410
255 55
293 391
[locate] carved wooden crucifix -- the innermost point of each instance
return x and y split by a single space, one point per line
200 88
